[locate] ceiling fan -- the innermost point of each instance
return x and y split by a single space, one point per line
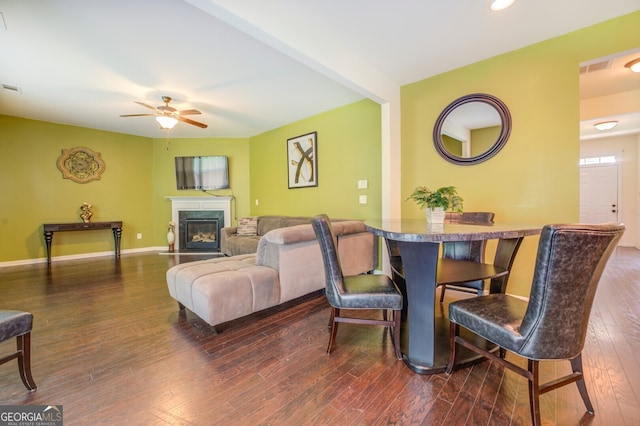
169 116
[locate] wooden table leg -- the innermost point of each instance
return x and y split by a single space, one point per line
48 237
117 236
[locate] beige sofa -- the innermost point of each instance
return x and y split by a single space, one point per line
288 264
232 243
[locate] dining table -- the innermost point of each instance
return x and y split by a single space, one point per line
425 326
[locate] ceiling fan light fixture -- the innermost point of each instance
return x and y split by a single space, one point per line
633 65
498 5
166 122
606 125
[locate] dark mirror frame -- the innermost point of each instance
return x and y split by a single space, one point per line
505 118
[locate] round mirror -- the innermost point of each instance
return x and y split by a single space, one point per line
472 129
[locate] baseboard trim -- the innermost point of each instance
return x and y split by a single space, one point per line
77 256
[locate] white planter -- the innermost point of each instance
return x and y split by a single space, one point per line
435 215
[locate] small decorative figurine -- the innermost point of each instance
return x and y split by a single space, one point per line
86 212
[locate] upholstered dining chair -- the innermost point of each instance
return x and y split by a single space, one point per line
18 324
552 325
367 291
465 250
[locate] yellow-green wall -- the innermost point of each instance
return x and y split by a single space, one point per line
348 150
164 180
535 177
483 139
34 192
140 174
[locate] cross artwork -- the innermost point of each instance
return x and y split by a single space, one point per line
302 161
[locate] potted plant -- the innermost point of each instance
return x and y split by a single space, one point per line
437 202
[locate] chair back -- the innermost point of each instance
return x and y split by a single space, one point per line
334 283
469 217
569 264
466 250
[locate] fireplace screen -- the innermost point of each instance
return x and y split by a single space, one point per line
201 234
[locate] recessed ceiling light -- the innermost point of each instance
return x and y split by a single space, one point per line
606 125
633 65
498 5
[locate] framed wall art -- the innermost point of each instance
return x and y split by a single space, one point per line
302 161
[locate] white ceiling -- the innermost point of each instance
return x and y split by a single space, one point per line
614 85
250 65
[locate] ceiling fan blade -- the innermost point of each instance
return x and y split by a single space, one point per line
195 123
138 115
189 112
146 105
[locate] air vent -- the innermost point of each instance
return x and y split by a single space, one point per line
596 66
12 89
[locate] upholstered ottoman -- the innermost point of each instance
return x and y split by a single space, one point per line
222 289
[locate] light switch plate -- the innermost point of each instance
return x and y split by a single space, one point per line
363 184
363 199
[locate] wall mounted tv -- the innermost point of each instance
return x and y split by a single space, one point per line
202 173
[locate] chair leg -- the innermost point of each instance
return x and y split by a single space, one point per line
576 365
397 319
334 329
23 344
385 317
443 287
534 391
454 330
332 316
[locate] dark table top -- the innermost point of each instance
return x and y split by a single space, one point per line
78 226
418 230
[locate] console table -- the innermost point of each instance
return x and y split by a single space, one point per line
50 228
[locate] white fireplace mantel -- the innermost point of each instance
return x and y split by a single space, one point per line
209 203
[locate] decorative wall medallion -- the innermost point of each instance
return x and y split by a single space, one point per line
80 164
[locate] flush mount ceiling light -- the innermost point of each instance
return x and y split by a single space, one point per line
605 125
633 65
498 5
166 122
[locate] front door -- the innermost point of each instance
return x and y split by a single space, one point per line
599 194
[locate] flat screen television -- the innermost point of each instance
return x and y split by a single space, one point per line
202 173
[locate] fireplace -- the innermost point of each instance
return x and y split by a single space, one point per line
201 208
201 234
200 230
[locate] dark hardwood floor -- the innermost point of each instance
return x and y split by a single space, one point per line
110 345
